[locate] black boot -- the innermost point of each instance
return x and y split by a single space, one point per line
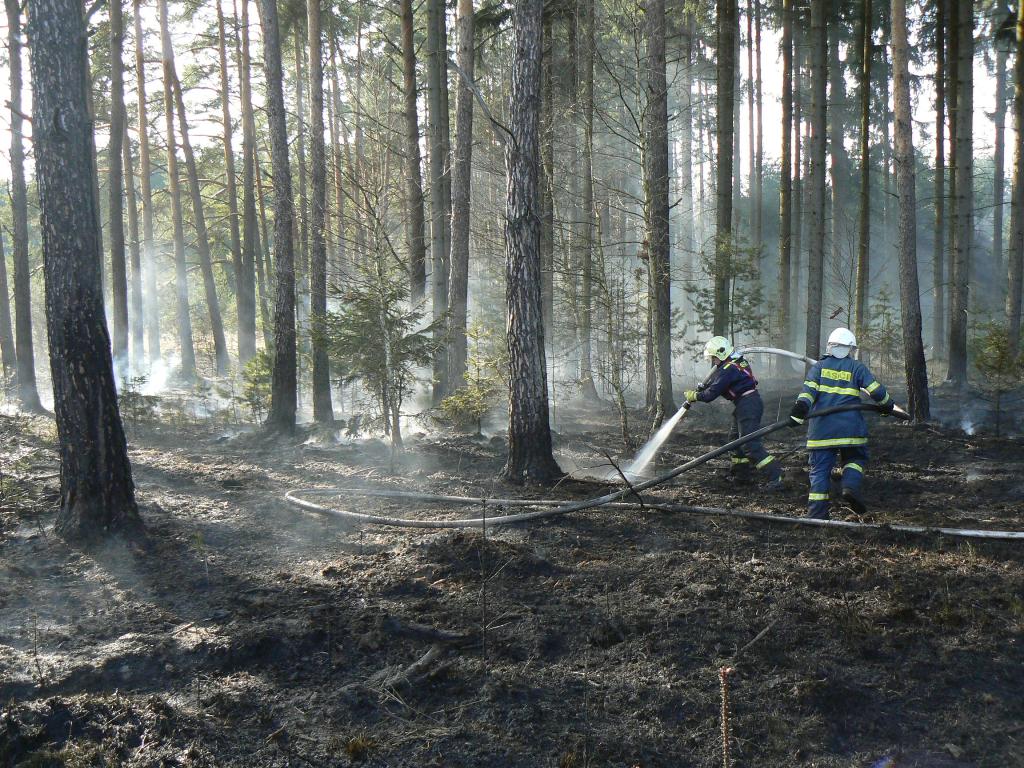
854 501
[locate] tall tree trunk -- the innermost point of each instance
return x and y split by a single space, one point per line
939 245
135 317
838 161
230 186
339 189
588 390
461 179
115 184
97 492
998 176
799 179
440 181
686 104
188 354
725 78
283 386
28 394
759 152
323 409
1015 281
816 182
220 346
751 128
8 356
547 203
860 314
414 222
245 296
152 304
964 212
529 433
264 264
302 297
786 180
910 300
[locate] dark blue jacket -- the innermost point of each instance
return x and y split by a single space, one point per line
732 380
834 381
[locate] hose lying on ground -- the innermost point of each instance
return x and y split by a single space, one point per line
612 499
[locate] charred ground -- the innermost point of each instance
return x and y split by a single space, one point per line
255 635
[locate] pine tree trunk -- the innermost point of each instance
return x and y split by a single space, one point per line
461 180
785 337
686 107
115 185
860 314
8 356
220 346
588 389
547 203
838 160
939 244
283 386
529 434
1015 281
230 186
135 317
245 296
440 181
799 178
816 181
964 212
152 305
998 176
323 409
910 300
339 178
188 354
725 78
751 130
97 492
414 223
28 394
302 297
759 152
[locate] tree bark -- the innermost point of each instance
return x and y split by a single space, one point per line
28 394
220 346
751 130
547 202
998 176
440 180
302 297
758 189
816 182
230 185
323 409
725 78
964 213
245 296
152 304
786 181
588 390
115 184
910 299
135 317
8 355
686 235
188 354
414 223
860 314
339 190
283 386
1015 281
461 182
529 434
838 159
656 186
97 492
939 246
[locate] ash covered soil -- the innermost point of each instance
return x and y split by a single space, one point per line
253 634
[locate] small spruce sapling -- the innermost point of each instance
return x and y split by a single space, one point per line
486 379
998 364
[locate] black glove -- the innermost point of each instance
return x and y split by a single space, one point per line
887 407
799 413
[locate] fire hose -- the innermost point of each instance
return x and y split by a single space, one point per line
613 499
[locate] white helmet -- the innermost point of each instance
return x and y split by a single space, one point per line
718 346
841 342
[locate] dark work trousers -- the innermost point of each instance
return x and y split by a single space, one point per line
746 418
854 461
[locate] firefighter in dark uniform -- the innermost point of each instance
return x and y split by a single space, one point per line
733 379
837 379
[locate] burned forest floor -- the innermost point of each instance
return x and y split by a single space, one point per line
251 633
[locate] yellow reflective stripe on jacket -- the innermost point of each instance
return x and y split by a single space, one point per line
851 391
738 460
885 399
806 396
817 497
764 462
872 387
854 466
811 384
837 442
